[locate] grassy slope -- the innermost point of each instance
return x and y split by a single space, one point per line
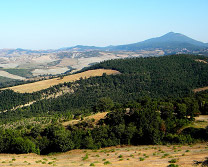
37 86
158 156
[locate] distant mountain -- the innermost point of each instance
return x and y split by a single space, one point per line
170 40
175 37
80 48
19 51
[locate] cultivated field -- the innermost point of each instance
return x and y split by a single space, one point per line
8 75
53 71
128 156
37 86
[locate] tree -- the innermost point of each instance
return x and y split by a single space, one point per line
181 110
104 104
20 145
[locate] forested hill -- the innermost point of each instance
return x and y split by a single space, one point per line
154 65
133 117
155 77
161 76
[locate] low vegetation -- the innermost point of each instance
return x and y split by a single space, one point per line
109 156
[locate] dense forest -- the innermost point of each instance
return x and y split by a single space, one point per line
148 103
155 77
145 121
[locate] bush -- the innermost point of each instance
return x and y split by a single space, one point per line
173 161
172 165
20 145
106 163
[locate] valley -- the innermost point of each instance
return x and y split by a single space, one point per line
70 59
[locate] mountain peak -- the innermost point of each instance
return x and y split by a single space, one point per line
174 37
173 34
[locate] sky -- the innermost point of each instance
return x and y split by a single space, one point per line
53 24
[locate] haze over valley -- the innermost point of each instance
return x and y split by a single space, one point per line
53 62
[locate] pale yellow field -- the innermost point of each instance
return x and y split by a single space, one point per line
40 85
200 89
128 156
96 117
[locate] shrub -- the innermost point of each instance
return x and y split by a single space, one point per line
20 145
172 165
173 161
106 163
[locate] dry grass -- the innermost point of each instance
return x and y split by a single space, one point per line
40 85
96 118
201 61
200 89
201 121
127 156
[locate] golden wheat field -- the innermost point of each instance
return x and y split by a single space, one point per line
40 85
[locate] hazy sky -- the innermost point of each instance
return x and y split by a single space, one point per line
51 24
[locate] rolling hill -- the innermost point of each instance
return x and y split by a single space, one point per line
151 101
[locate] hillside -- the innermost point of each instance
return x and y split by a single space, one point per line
40 85
161 77
151 101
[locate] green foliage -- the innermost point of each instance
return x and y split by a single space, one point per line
141 159
20 145
10 99
106 163
85 157
156 77
135 118
172 165
173 161
104 104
